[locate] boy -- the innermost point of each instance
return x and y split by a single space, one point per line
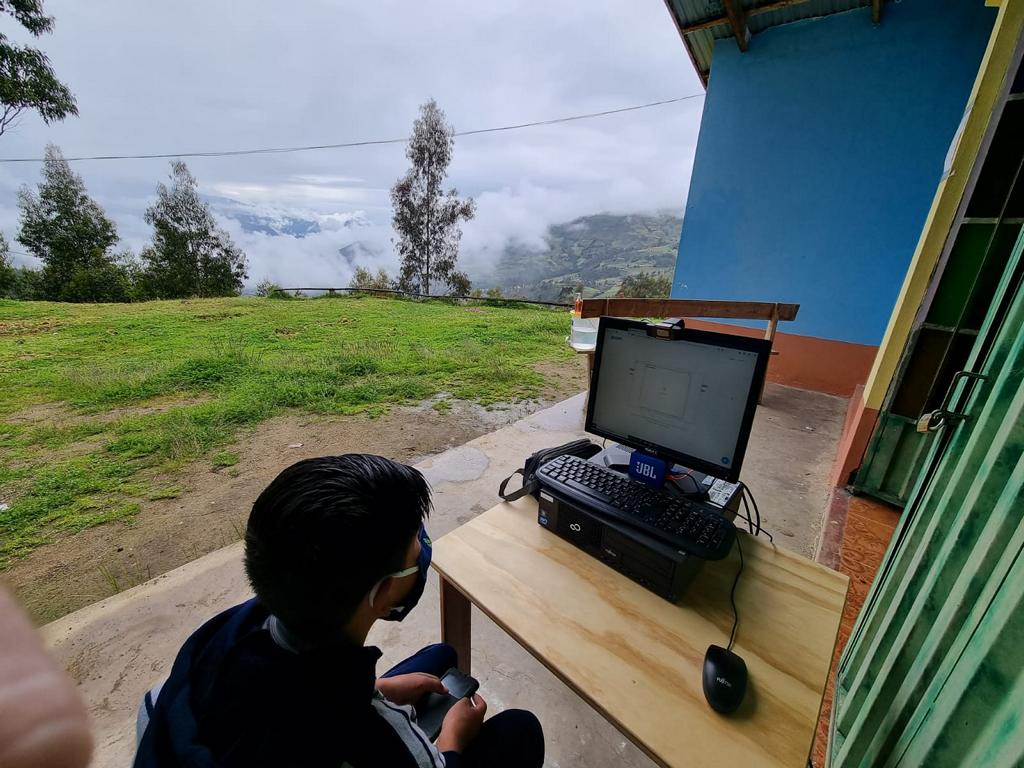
333 545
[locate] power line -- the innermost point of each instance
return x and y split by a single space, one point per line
369 143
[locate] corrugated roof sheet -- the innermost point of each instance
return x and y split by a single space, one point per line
702 42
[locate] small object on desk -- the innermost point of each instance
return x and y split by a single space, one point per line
649 470
725 679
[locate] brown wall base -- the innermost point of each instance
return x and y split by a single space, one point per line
860 423
807 362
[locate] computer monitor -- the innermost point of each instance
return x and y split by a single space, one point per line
689 400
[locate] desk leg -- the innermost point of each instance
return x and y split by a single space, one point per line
456 622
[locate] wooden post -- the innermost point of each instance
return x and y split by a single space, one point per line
769 334
773 323
456 623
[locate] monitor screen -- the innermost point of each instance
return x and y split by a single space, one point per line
689 400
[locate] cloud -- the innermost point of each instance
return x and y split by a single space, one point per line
314 261
296 194
195 75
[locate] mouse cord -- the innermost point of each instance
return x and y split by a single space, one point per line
732 596
753 520
749 515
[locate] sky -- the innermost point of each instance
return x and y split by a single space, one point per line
201 75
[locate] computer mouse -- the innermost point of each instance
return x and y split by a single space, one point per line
725 679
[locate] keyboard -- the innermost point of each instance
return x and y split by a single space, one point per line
679 522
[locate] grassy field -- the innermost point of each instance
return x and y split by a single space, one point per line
101 404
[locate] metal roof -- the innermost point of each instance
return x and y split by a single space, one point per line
711 19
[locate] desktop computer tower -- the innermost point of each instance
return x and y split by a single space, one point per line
644 559
647 561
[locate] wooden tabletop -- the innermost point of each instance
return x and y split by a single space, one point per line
638 659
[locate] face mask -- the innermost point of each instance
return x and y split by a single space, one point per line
400 611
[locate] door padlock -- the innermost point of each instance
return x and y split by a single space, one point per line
930 422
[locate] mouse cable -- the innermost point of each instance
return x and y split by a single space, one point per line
745 491
755 532
754 523
757 511
749 517
732 597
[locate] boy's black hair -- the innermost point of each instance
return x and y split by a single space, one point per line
325 531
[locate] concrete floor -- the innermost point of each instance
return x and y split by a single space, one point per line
119 647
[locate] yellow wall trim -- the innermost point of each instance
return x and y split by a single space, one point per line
987 88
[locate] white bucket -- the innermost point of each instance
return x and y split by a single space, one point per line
584 334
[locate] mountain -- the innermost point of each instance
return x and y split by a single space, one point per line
265 219
591 254
359 254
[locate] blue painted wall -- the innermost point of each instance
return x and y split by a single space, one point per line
819 153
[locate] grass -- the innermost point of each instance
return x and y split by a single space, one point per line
223 459
99 401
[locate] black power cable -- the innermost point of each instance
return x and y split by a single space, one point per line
754 524
732 597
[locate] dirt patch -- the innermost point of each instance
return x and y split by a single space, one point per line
24 327
52 414
563 377
210 505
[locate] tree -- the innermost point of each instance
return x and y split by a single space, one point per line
267 287
27 81
645 285
190 255
365 280
16 283
105 281
459 284
425 217
7 273
64 227
26 285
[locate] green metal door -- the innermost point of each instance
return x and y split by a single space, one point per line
933 674
948 323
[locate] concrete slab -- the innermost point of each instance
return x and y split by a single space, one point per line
119 647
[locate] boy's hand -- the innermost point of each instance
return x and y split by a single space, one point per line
408 689
462 724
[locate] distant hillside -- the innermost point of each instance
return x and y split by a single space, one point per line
592 253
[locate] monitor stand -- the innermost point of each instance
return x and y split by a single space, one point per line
720 493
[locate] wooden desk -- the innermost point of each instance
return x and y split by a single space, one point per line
637 658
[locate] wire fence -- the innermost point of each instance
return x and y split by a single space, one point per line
396 292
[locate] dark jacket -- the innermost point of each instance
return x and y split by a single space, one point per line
235 698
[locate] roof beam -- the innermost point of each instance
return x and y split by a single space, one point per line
689 51
719 21
738 22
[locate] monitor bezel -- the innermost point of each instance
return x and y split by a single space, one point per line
763 349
